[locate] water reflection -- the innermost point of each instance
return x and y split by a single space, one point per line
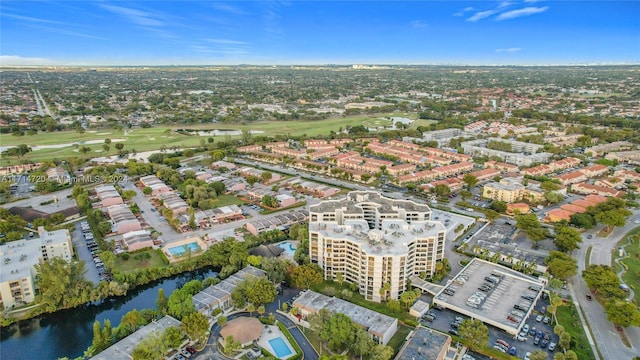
69 332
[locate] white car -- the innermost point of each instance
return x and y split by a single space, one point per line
526 356
636 221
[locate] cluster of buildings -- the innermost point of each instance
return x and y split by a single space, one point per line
409 164
551 167
521 153
18 275
163 193
575 207
498 128
124 221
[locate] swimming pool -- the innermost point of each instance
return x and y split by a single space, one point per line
280 347
180 250
288 248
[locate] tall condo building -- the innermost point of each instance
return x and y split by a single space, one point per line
375 242
17 271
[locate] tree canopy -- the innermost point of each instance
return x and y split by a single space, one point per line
475 332
561 265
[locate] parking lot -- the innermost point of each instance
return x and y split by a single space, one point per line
445 318
528 345
87 250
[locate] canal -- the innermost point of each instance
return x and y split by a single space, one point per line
69 333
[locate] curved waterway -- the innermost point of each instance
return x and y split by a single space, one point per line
70 332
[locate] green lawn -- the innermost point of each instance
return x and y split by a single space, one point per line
153 138
632 261
157 260
398 339
568 317
224 200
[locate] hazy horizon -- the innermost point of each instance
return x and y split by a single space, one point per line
216 33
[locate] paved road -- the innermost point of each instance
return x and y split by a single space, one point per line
211 349
604 333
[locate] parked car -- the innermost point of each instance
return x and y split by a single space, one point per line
453 332
185 353
512 350
536 341
526 356
546 320
539 318
532 331
525 328
544 344
552 346
191 349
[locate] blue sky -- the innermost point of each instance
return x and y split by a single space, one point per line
320 32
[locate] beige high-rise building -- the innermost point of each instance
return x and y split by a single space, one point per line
375 242
17 278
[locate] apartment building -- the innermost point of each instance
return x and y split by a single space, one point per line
108 195
509 190
374 242
630 157
504 167
512 190
17 278
588 189
156 185
595 170
573 177
600 150
521 154
123 219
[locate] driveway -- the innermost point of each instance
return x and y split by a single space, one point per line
84 254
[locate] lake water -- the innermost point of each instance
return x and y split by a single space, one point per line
70 332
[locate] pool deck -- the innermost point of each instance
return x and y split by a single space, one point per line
286 245
271 332
187 241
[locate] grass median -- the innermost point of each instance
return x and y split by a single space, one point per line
568 317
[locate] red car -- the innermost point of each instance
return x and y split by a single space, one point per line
191 350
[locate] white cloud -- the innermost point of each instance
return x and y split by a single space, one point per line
504 4
508 50
461 13
135 16
226 42
481 15
521 12
9 60
418 24
32 19
532 1
228 8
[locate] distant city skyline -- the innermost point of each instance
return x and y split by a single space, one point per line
119 33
